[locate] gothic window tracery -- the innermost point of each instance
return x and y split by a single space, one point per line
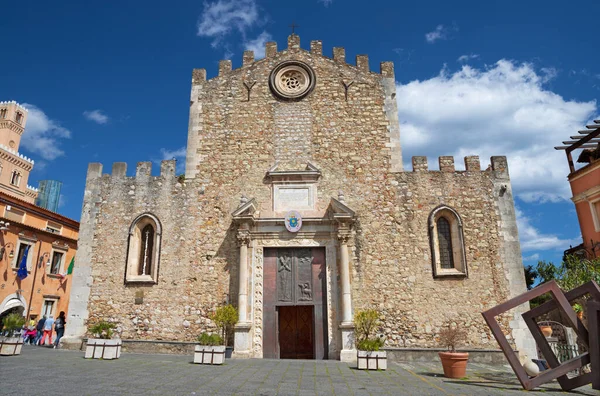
143 250
447 243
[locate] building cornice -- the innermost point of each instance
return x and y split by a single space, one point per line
14 157
12 125
579 173
44 213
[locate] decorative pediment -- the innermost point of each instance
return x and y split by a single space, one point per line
309 174
248 209
340 212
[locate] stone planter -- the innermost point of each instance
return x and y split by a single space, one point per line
10 346
97 348
209 354
454 364
371 360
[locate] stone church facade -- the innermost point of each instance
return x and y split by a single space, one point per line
301 136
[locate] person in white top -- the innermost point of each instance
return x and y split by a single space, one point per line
48 330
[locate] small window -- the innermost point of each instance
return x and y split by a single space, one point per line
19 117
48 308
54 228
14 214
56 263
447 243
15 178
3 113
21 253
595 209
143 250
145 267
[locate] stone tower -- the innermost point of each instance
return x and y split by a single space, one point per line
14 167
295 208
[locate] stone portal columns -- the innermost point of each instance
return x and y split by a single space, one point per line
348 352
242 347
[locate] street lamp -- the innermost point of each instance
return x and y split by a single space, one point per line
4 225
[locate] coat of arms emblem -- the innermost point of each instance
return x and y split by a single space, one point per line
293 221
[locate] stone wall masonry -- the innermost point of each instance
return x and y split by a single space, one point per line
398 280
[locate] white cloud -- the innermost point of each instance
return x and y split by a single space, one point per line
220 18
258 44
533 257
466 58
503 109
440 32
532 239
96 115
42 135
326 3
177 154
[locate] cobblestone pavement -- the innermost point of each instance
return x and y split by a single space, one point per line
42 371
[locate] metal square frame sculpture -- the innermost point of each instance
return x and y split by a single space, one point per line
566 383
593 308
513 360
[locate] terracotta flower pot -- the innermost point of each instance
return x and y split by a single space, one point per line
454 363
546 331
580 315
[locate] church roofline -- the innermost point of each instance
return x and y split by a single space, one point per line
386 69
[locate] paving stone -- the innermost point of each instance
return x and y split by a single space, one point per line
68 373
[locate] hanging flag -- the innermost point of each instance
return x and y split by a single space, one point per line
22 272
71 265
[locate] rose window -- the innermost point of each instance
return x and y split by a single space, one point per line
292 80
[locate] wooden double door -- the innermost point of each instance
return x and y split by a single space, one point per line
294 314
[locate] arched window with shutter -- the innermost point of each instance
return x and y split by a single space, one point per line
447 243
143 250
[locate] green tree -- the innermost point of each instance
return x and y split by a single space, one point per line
571 273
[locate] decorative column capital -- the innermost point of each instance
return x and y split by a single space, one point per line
243 237
344 236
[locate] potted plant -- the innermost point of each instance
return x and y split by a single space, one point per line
11 340
578 308
454 363
546 330
225 318
211 349
103 346
368 355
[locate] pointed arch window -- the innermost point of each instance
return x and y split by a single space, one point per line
145 267
447 243
143 250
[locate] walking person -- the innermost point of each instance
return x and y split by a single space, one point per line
48 330
59 327
40 329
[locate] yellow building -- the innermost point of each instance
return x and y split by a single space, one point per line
47 240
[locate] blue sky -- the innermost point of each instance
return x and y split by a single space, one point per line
110 81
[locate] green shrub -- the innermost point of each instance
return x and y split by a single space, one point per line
372 344
210 339
225 318
103 330
366 324
13 322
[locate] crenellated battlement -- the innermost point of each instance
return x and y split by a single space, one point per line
143 171
472 164
293 45
13 103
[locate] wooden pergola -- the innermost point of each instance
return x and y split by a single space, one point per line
587 139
